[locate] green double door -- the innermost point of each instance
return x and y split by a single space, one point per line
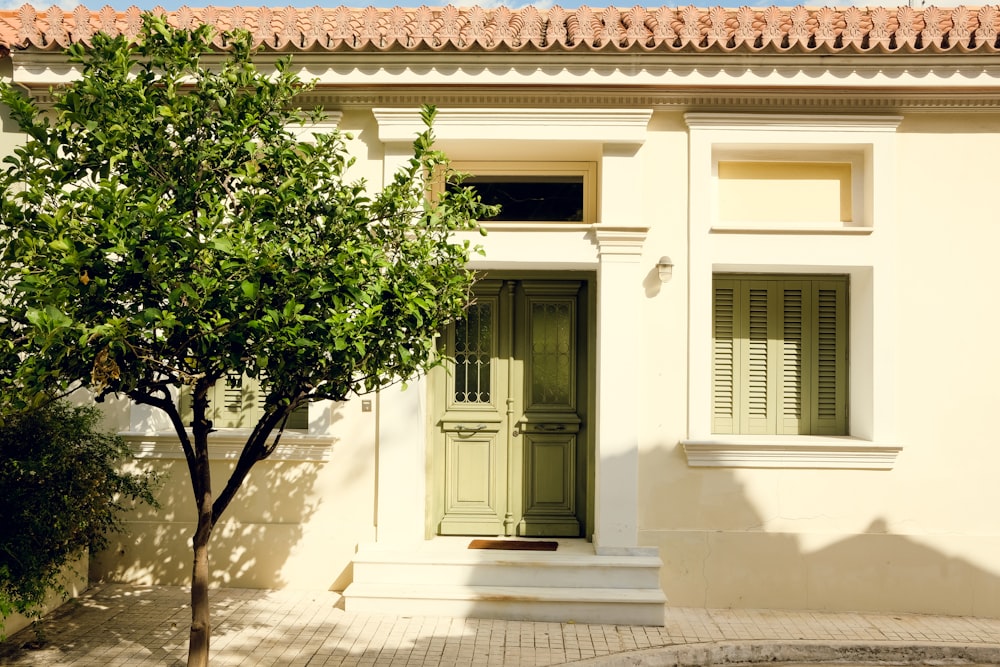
510 452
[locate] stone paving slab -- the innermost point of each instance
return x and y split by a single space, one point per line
116 624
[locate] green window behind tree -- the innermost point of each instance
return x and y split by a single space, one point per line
236 401
779 360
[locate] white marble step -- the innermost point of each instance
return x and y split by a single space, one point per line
614 606
506 568
444 577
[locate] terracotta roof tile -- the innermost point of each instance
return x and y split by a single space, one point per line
659 29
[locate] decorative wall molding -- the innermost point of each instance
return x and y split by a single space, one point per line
839 123
675 99
227 447
623 244
625 125
870 101
793 453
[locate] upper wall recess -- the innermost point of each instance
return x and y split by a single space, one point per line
824 30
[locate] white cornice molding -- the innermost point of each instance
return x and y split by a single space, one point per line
575 124
739 95
954 71
742 99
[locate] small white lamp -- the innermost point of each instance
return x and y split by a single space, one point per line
665 268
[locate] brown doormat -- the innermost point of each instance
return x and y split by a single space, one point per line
514 545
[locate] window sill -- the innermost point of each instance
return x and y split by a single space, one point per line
227 444
821 452
539 226
737 228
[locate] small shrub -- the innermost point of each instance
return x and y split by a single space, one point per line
62 489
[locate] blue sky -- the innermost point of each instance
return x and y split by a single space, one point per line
169 5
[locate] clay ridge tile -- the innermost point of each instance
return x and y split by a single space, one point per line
661 29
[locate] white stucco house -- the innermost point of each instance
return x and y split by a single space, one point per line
739 350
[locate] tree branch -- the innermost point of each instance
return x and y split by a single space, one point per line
254 450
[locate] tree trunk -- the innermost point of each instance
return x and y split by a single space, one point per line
201 624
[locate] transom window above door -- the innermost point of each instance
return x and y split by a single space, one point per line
549 192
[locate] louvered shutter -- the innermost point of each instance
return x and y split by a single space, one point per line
757 370
829 406
299 419
779 355
233 400
724 417
237 402
792 356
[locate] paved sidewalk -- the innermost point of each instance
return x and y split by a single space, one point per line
127 625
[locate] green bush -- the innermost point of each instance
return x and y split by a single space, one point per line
62 489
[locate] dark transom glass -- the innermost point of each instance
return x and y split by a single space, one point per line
532 198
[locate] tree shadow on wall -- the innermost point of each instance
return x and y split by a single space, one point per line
281 529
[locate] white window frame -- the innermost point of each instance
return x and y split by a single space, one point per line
865 253
152 436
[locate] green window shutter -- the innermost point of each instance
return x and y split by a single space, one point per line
724 357
299 419
232 400
792 358
184 405
755 349
779 361
237 402
829 382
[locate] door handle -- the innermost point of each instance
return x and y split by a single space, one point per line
470 429
550 427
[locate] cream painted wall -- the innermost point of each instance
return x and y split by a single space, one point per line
294 523
73 576
920 537
9 134
794 192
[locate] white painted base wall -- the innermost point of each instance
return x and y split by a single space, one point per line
76 582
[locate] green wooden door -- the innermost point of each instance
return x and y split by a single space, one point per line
510 452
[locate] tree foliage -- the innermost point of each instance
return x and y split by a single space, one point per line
63 491
163 227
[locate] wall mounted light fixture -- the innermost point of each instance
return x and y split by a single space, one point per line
665 267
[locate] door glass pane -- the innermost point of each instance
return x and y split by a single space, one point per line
473 354
551 352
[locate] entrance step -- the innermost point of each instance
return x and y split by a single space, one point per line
444 578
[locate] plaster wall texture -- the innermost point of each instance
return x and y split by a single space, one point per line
920 537
9 136
74 581
294 524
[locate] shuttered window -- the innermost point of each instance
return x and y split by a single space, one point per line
779 361
237 402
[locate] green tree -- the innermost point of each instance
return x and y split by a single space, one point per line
163 227
63 491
